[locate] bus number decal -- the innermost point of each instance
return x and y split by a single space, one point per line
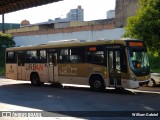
38 67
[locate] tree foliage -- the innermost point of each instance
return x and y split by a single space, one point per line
6 40
145 24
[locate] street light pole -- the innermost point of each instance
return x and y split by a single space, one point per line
3 29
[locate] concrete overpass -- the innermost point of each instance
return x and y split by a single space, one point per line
7 6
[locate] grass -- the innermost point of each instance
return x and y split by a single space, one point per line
2 71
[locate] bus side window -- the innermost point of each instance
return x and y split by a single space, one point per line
123 61
110 64
77 55
31 57
11 57
64 56
42 56
95 55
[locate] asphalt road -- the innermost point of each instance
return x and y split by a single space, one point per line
60 102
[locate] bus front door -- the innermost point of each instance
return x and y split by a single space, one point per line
114 68
53 67
21 67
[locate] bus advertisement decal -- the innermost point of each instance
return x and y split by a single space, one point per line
38 67
11 69
68 70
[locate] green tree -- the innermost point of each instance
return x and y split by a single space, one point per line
145 25
6 40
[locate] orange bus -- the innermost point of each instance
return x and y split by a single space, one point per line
103 63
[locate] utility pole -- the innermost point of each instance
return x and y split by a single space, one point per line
3 29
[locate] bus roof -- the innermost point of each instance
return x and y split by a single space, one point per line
68 43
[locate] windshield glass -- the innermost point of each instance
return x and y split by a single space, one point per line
139 62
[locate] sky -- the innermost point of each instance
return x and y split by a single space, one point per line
93 10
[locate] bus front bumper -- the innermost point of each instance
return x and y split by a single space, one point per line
133 84
141 83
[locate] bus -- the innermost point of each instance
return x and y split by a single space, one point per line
102 63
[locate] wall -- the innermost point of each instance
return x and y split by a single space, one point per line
23 29
9 26
61 25
78 23
125 9
82 35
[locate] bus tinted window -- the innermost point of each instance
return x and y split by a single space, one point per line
95 55
11 57
64 56
43 56
72 55
31 57
77 55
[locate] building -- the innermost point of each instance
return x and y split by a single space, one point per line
110 14
42 33
125 9
103 22
73 27
76 14
25 22
60 20
8 26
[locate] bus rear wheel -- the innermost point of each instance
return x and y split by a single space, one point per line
35 81
97 84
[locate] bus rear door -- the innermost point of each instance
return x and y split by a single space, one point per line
52 67
21 67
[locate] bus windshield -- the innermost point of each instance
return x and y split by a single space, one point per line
139 62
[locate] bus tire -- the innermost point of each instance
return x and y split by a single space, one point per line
96 83
152 83
35 81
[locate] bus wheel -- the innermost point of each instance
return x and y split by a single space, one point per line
151 83
97 84
35 80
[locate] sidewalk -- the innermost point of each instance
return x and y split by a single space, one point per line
153 89
2 76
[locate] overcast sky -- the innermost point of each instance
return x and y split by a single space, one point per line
93 10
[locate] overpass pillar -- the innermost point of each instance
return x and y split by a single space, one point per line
3 29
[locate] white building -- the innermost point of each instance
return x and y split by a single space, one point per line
109 34
76 14
58 20
110 14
